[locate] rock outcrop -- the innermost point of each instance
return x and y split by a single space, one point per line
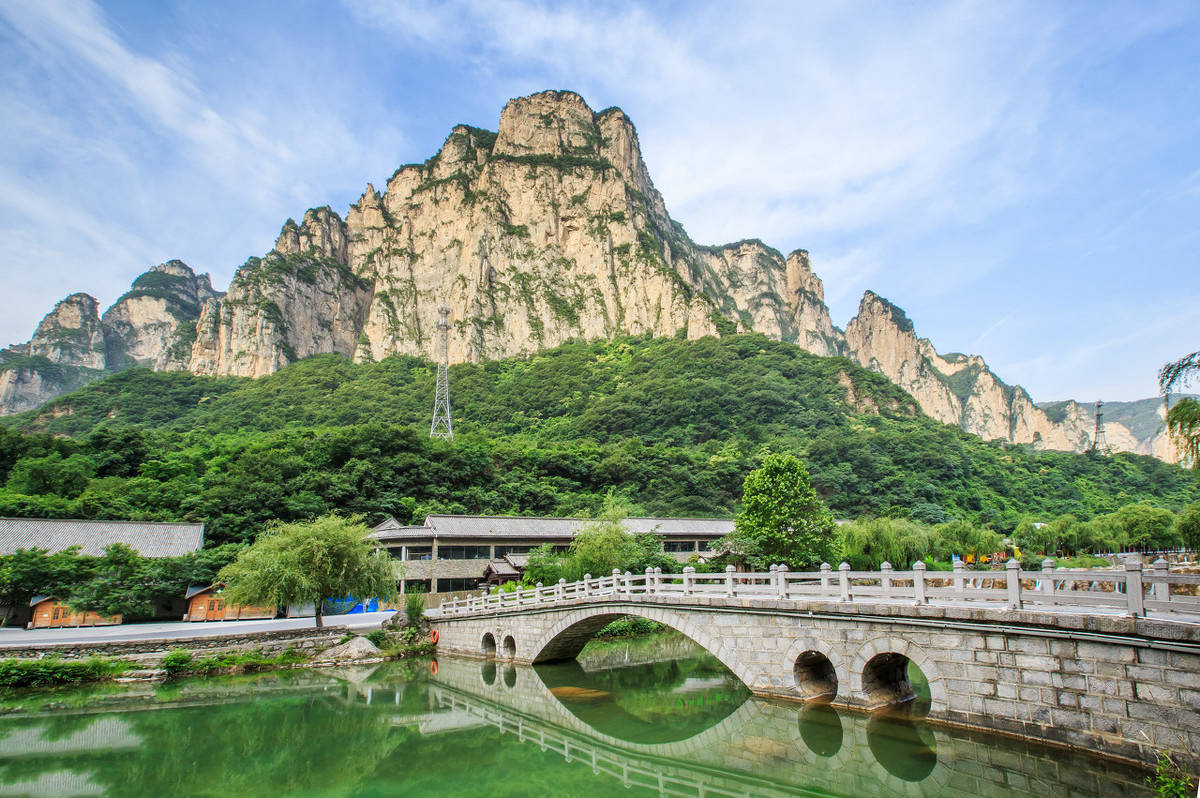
154 324
546 230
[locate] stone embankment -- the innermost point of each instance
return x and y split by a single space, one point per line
306 641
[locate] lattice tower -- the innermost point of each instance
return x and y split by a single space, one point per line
1099 440
442 426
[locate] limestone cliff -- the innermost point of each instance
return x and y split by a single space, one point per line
961 390
154 324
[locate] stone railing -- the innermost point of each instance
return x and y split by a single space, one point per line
1131 590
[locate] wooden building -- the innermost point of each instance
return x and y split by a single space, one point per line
49 613
208 604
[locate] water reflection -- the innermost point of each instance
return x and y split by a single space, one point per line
821 729
681 727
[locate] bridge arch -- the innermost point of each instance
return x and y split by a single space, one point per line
874 676
809 671
570 634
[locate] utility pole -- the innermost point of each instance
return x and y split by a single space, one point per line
442 427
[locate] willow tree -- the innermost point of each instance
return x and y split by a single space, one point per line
1183 419
307 561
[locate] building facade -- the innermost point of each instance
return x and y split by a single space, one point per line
461 552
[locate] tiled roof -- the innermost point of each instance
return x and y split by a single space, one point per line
525 527
196 590
501 568
149 539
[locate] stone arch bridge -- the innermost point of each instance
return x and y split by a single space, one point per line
1027 659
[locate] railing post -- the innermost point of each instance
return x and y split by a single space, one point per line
919 582
689 576
537 594
1013 583
885 580
559 589
658 579
628 585
1133 587
519 595
1161 590
1048 579
960 569
781 575
826 570
648 588
616 580
844 580
774 571
729 569
587 588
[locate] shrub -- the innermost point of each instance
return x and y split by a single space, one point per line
414 608
55 671
630 627
1170 780
177 661
379 638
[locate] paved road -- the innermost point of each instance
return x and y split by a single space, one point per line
15 638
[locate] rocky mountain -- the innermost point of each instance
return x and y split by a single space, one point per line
548 229
152 325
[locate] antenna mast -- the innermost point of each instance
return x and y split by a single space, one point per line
442 427
1099 440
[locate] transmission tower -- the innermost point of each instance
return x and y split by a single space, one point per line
442 427
1099 440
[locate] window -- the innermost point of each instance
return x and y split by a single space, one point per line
464 553
212 605
56 613
501 551
451 585
679 545
420 553
704 545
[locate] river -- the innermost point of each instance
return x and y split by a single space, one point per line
459 727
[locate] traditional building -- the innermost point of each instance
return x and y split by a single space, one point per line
147 538
460 552
208 604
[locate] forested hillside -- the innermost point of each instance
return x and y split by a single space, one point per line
671 425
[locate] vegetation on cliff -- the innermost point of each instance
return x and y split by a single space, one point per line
672 426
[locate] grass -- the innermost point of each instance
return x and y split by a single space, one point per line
53 671
182 662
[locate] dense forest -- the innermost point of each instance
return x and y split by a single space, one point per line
671 426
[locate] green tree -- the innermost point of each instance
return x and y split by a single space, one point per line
295 563
1187 526
30 572
1145 526
782 519
121 583
1183 419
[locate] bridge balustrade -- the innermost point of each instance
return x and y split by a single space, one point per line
1130 590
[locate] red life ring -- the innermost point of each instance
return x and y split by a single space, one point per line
433 667
434 636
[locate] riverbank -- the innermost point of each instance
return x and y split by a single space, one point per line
56 671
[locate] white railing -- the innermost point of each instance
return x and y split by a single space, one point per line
1129 590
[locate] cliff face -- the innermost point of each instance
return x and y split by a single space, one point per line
152 325
548 229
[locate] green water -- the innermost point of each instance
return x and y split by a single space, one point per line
679 727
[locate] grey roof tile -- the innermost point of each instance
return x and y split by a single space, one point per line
148 538
535 528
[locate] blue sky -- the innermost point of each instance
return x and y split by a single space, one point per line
1023 179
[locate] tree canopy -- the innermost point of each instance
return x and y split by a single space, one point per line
310 561
782 521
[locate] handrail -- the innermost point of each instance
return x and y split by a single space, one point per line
1129 590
